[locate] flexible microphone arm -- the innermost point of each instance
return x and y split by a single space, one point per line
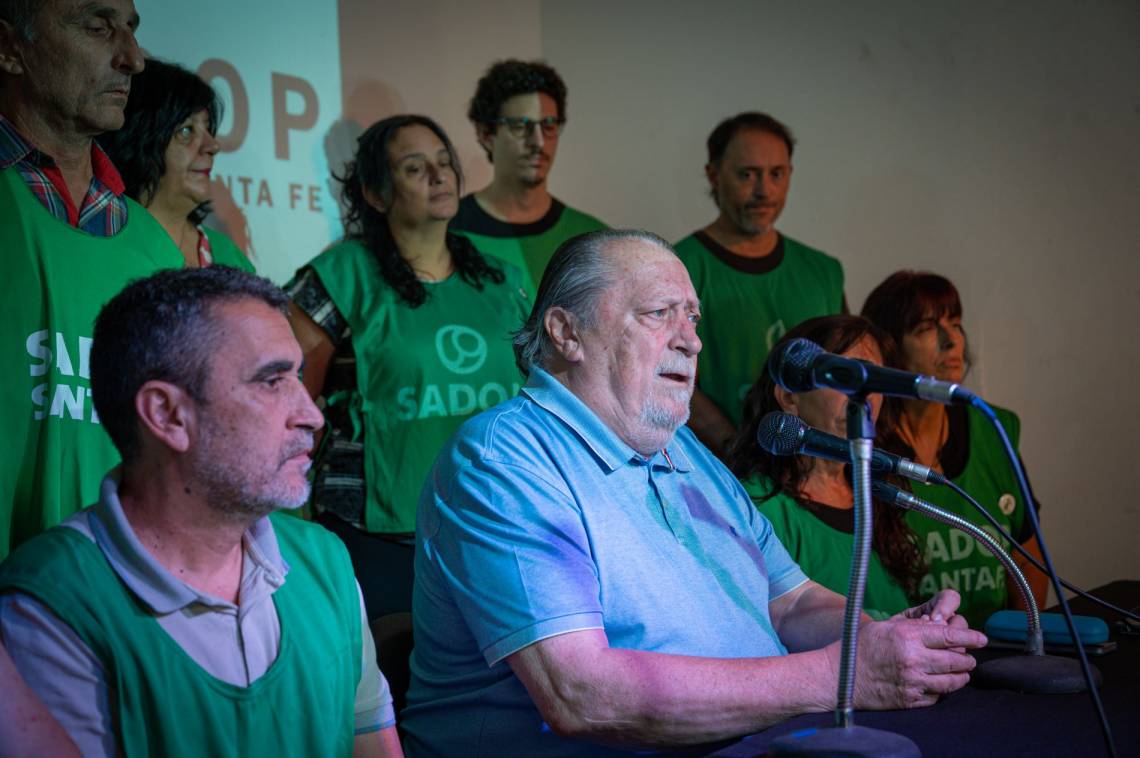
888 493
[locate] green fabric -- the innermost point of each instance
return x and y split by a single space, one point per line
955 559
530 253
168 705
225 252
56 278
824 552
420 371
743 315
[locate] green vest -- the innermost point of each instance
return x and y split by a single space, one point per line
164 702
55 279
528 247
420 371
955 559
824 552
225 252
744 314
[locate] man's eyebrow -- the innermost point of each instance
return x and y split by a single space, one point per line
108 13
273 368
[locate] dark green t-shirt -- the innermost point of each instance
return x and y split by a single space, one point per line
528 247
420 371
823 550
748 304
55 280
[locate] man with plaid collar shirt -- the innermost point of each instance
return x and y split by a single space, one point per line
71 240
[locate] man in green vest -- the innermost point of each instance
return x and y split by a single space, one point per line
754 282
69 240
519 111
180 614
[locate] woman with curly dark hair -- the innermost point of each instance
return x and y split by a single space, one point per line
809 500
165 153
406 331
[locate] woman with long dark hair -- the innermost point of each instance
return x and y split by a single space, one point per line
810 500
923 314
406 331
165 153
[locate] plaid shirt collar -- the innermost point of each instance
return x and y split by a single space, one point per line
15 149
103 209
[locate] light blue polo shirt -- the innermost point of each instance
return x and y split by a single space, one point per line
538 520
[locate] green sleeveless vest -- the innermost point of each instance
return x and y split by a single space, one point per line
53 281
168 705
956 561
420 372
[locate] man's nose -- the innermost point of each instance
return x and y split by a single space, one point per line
128 57
306 415
685 339
534 134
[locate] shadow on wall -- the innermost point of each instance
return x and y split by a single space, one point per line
368 102
227 217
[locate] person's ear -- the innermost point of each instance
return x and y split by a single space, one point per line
374 200
564 331
485 136
166 412
788 401
11 60
711 175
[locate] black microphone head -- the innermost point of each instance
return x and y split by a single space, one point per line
790 367
780 433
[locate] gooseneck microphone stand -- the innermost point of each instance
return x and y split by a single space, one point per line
846 738
1033 672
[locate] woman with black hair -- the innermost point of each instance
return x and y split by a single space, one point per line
406 331
165 152
810 500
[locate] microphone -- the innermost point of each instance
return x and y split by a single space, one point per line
801 365
1032 672
785 434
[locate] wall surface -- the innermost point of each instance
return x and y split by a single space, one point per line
993 142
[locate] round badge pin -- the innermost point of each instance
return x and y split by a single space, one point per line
1007 503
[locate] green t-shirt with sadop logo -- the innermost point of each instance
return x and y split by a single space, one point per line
956 560
420 371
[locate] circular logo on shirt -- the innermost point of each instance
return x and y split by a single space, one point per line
775 332
1007 503
461 350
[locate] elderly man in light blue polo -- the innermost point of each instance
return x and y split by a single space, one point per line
589 578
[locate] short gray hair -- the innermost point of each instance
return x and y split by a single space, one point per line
21 15
575 279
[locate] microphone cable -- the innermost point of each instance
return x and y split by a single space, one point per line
1023 485
1029 557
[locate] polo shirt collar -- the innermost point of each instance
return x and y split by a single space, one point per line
148 579
610 450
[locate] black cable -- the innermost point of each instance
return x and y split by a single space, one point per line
1029 557
1023 485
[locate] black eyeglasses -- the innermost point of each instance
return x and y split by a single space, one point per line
521 127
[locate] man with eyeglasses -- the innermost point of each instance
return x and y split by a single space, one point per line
746 273
519 111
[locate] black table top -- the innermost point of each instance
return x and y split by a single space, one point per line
975 721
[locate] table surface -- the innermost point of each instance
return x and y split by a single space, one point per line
975 721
